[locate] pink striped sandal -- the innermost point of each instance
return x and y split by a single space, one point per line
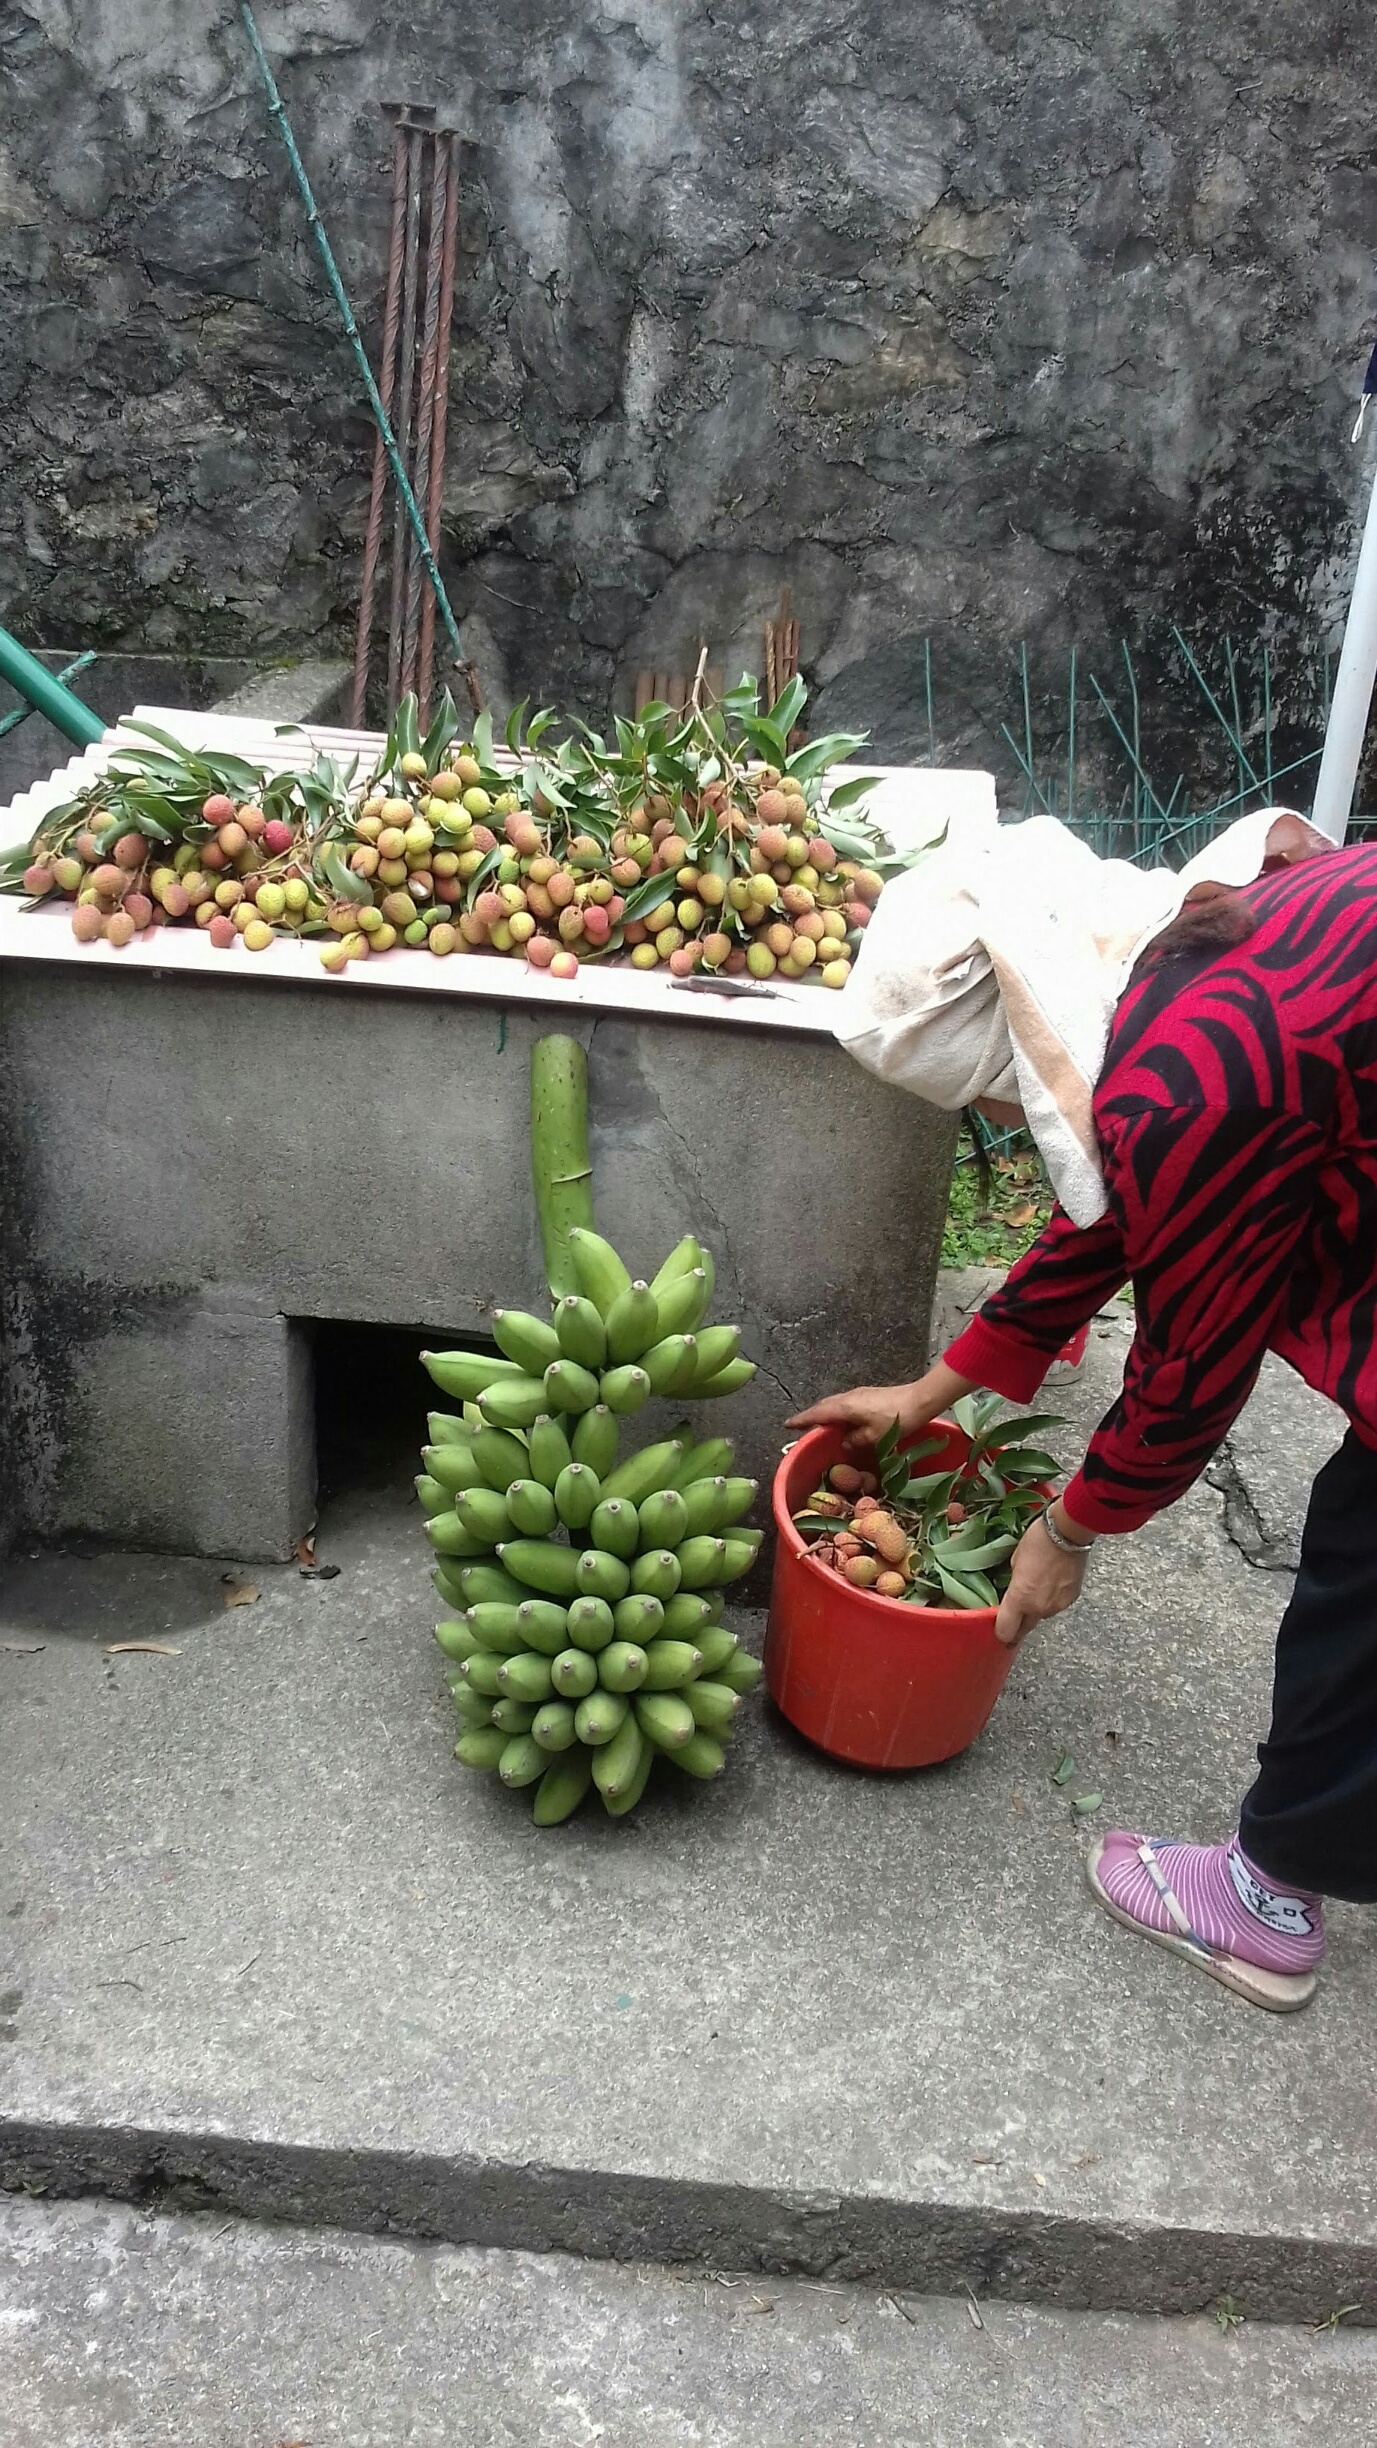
1294 1921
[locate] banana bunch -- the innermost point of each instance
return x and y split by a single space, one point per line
587 1636
613 1342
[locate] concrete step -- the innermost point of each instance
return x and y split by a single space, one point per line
263 1942
122 2330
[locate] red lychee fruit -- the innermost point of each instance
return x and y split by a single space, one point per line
277 837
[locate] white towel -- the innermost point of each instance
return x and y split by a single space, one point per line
993 969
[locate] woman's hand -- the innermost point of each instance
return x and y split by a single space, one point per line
1043 1582
866 1411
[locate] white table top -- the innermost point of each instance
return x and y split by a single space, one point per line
911 804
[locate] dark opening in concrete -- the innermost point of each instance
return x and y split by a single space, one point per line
371 1400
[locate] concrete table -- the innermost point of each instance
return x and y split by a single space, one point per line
207 1153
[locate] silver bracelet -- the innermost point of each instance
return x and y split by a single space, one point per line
1064 1546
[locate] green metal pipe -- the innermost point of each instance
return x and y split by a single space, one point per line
47 695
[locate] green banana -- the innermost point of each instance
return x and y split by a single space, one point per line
471 1708
542 1566
594 1439
501 1458
663 1518
525 1339
614 1527
553 1726
480 1672
714 1706
682 1259
656 1574
516 1403
542 1625
688 1615
730 1380
548 1450
684 1303
601 1275
446 1429
716 1346
622 1667
617 1805
655 1466
702 1755
495 1626
526 1677
481 1746
522 1762
665 1719
562 1788
574 1674
463 1375
591 1624
638 1618
577 1494
453 1465
670 1363
633 1323
717 1645
514 1716
617 1762
600 1575
532 1508
741 1672
484 1515
579 1333
742 1547
447 1581
705 1461
569 1387
700 1562
433 1498
598 1718
448 1536
703 1500
480 1582
705 1260
458 1640
737 1499
670 1663
624 1390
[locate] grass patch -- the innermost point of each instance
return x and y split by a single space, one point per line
996 1229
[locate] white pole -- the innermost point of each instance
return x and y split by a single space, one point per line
1348 713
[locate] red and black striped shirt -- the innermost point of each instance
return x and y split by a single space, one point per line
1237 1120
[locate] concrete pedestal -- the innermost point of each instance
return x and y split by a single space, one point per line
195 1168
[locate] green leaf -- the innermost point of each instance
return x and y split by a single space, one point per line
406 723
650 894
340 877
1084 1804
788 706
444 728
767 739
478 880
515 720
1009 1431
539 725
1065 1769
973 1559
961 1592
1025 1463
846 795
888 1443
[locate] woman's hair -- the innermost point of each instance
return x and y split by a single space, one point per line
1200 931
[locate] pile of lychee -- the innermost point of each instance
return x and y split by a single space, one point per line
869 1547
236 880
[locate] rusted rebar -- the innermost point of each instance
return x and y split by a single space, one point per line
372 541
415 143
425 398
436 486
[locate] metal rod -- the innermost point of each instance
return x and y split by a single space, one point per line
46 694
1346 728
346 312
425 406
435 497
22 713
372 541
406 385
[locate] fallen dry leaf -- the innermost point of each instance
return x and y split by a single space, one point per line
141 1648
241 1593
1024 1213
23 1648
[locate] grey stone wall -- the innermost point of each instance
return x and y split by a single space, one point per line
961 319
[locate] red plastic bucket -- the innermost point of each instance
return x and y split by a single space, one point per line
873 1680
1072 1353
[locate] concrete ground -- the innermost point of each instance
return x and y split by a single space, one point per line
118 2330
265 1947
